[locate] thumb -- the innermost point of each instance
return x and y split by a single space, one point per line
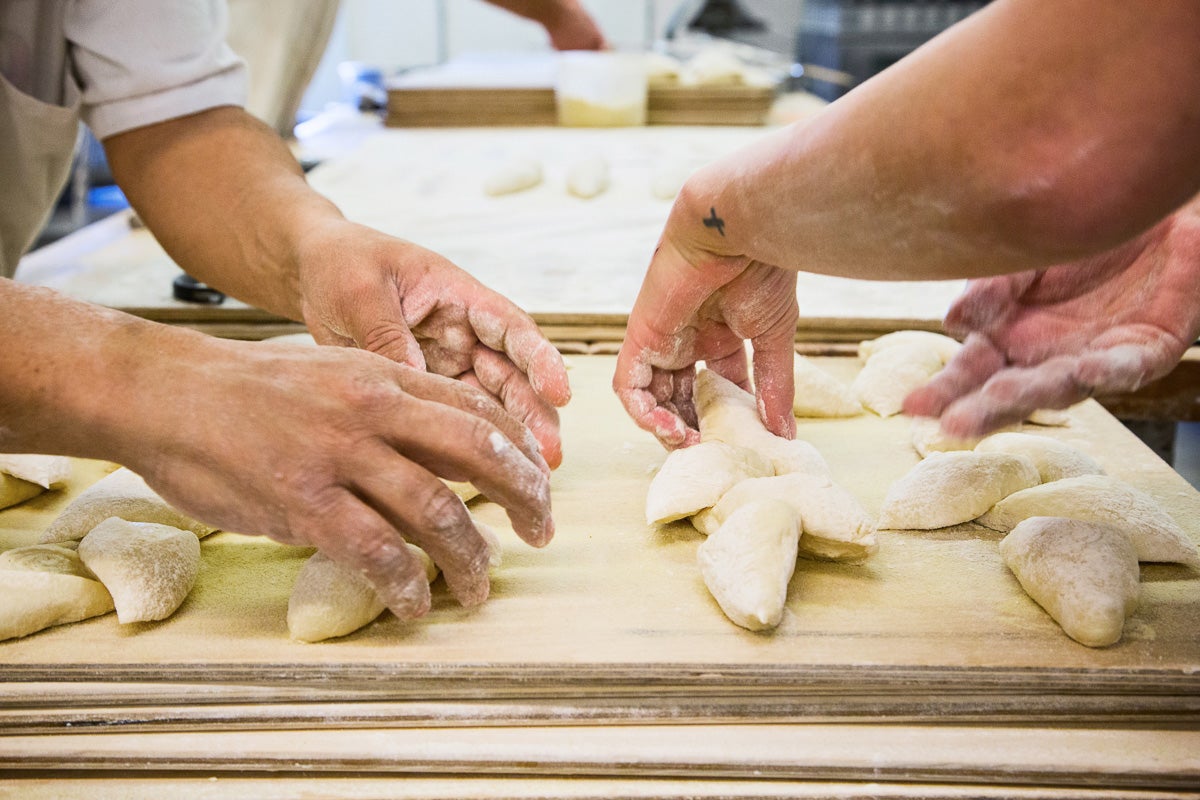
377 324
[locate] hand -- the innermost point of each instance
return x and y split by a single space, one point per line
1048 339
698 303
364 289
572 28
340 449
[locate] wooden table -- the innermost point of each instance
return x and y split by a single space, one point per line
603 658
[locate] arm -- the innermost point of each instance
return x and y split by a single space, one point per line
567 23
305 445
229 203
1021 138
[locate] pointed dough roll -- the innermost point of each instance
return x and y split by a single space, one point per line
953 487
45 585
148 568
694 478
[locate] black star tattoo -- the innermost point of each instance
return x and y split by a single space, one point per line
713 221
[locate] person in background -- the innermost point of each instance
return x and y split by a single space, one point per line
1049 151
337 447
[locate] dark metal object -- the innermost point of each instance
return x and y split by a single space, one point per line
190 290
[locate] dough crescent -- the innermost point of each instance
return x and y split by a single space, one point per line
953 487
45 585
148 568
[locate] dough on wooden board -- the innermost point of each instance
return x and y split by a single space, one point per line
819 394
953 487
148 568
729 414
1054 460
122 494
748 561
1084 574
833 524
588 177
1101 498
891 374
940 345
45 585
24 476
515 175
693 478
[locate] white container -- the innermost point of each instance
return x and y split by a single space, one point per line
600 89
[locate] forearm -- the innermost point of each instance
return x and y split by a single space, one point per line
76 376
545 12
226 199
1029 135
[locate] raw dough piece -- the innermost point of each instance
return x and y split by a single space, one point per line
1054 460
1101 498
26 476
464 490
1084 574
516 175
748 562
122 494
45 585
954 487
819 394
1050 417
833 524
729 414
927 437
695 477
942 346
148 568
891 373
669 177
588 177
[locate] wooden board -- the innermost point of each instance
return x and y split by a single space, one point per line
612 622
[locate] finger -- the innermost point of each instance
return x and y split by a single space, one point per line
666 424
473 400
775 381
986 302
734 367
505 328
377 325
1012 394
502 379
354 534
461 445
430 516
972 365
1121 368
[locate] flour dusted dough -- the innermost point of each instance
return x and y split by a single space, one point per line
463 490
25 476
819 394
1054 460
695 477
891 374
148 568
122 494
588 177
748 562
1084 574
45 585
729 414
942 346
516 175
954 487
833 524
1101 498
926 436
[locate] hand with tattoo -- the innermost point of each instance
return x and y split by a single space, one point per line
702 300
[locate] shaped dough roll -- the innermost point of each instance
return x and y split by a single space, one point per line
516 175
26 476
955 487
1054 460
730 414
588 177
45 585
748 562
940 345
148 568
695 477
927 437
1104 499
819 394
833 524
1084 574
891 374
122 494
